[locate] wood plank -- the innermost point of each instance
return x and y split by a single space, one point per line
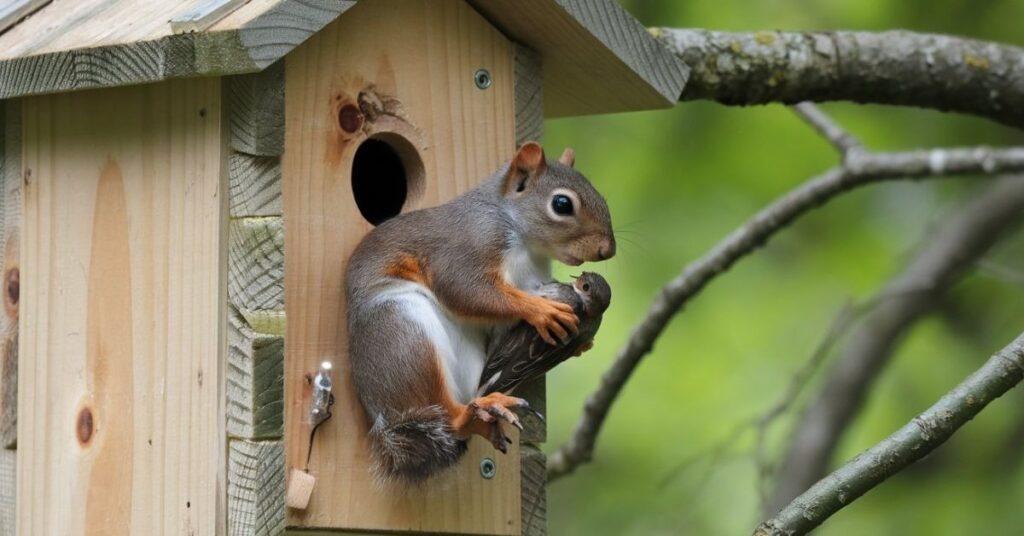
8 500
256 488
203 14
421 54
257 112
255 184
534 491
12 11
255 381
75 45
10 234
529 87
256 264
122 346
529 102
597 57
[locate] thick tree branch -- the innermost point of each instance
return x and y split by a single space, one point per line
952 249
914 441
858 170
896 67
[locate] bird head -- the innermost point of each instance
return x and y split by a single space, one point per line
595 292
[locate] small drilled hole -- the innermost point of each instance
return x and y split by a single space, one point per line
386 173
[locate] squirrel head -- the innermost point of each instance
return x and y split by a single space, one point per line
559 211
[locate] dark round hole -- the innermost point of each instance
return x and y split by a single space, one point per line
381 177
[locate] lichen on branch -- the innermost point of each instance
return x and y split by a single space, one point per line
895 67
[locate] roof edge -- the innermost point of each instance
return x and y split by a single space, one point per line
597 58
248 48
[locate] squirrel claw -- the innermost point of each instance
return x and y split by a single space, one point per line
491 410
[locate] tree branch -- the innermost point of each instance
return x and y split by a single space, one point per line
914 441
953 248
860 169
896 67
843 141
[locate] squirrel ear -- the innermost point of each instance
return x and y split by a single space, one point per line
528 163
568 157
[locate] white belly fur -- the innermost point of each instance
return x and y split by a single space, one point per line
460 345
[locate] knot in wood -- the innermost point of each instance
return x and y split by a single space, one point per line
84 427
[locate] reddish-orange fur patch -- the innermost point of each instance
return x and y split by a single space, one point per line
408 267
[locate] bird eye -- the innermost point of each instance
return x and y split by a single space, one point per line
586 287
562 205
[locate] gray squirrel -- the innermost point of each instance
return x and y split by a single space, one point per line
427 289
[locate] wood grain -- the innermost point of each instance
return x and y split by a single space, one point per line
421 55
255 381
256 488
73 44
203 14
255 185
8 500
256 264
13 11
257 111
534 491
10 237
122 340
597 58
529 86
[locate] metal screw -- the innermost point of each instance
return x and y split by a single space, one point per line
488 468
482 78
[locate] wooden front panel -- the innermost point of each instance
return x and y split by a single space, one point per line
419 59
121 400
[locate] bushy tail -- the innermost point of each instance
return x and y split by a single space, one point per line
417 444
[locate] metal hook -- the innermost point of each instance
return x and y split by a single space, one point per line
320 403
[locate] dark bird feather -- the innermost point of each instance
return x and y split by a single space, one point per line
520 354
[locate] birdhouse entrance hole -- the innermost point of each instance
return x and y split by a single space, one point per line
387 172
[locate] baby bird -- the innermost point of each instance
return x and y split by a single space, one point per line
520 354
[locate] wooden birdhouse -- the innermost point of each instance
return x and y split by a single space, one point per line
182 185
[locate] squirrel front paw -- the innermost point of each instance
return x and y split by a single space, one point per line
552 319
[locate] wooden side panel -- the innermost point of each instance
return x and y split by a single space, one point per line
417 59
10 220
7 489
529 86
121 358
255 488
10 288
255 374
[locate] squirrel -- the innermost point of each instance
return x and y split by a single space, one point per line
428 288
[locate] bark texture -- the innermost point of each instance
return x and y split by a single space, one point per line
895 67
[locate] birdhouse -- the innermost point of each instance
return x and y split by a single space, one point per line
182 185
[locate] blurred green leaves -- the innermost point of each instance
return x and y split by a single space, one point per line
677 181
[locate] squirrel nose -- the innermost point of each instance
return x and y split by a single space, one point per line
607 249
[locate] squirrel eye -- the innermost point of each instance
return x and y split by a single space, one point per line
562 205
586 287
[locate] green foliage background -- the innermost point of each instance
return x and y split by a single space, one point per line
677 181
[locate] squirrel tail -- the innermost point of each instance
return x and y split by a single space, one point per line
417 444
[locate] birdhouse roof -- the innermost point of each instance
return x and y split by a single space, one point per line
596 57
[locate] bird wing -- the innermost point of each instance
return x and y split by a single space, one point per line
521 354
